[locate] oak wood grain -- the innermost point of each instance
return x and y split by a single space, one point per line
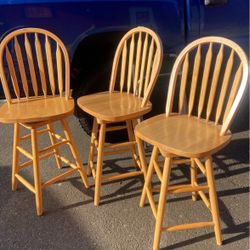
182 135
136 65
178 135
36 110
113 107
32 106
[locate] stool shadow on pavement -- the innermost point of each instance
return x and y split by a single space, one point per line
231 168
16 218
124 189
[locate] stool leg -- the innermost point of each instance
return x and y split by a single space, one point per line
142 157
131 137
15 159
99 163
36 169
162 202
213 200
75 153
193 171
92 148
56 150
149 173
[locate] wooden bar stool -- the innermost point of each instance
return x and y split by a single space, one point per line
34 68
199 127
135 69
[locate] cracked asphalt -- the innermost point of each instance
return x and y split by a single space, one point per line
71 221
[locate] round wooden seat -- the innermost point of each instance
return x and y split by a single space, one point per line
113 107
172 134
36 110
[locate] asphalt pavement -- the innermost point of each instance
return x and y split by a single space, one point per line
71 221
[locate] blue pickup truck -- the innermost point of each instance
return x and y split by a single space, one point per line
91 30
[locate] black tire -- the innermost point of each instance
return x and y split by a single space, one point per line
91 78
86 87
86 122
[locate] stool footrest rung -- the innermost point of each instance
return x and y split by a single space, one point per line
91 165
158 170
57 136
116 152
43 153
188 226
115 128
66 161
59 177
182 188
177 161
200 166
24 152
39 132
181 161
51 181
205 199
121 176
25 183
52 147
30 162
121 144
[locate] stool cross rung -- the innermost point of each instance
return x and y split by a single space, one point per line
200 166
121 144
66 161
115 152
30 162
205 199
121 176
151 202
25 183
52 147
178 161
182 188
40 132
57 136
58 178
188 226
24 152
91 165
158 170
115 128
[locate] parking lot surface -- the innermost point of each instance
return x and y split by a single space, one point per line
71 221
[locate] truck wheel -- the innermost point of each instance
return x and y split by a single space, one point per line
86 121
90 73
87 86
